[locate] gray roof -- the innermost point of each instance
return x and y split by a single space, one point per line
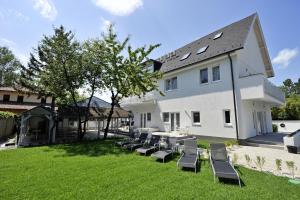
95 103
233 38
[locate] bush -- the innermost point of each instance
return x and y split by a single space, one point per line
275 128
229 143
6 115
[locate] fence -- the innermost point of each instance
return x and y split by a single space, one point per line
6 127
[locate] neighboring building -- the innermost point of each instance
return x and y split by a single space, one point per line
215 86
17 102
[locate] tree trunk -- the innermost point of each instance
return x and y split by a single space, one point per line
88 107
113 103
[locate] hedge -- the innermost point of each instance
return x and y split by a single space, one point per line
6 115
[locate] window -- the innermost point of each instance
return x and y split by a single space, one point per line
166 117
196 117
202 49
148 116
218 35
185 56
6 98
43 100
227 117
20 99
204 75
171 84
216 73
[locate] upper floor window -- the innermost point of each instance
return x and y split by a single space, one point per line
6 98
171 84
204 75
43 100
216 73
20 99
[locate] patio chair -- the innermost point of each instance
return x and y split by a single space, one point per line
220 163
163 154
149 146
128 140
189 157
137 143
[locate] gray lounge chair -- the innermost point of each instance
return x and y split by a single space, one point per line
132 137
220 163
189 157
150 145
164 153
137 143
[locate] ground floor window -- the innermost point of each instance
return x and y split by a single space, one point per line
166 117
195 117
227 117
148 116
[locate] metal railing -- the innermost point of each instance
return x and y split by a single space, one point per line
137 100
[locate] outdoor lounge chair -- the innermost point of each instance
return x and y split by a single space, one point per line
221 166
189 157
137 143
150 145
164 153
128 140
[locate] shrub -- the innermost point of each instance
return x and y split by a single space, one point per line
291 166
248 160
229 143
6 115
275 128
260 161
278 164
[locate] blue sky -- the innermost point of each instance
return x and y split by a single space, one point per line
169 22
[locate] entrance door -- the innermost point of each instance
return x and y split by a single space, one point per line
175 121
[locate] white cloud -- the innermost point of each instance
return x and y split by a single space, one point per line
284 57
18 15
105 24
13 47
46 8
119 7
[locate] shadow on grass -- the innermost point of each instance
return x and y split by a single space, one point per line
89 148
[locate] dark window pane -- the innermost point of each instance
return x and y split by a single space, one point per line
204 75
196 117
148 116
165 117
6 98
227 116
43 100
216 73
20 99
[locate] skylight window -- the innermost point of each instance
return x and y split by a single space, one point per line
202 49
185 56
218 35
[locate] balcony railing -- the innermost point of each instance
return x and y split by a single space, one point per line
148 98
273 90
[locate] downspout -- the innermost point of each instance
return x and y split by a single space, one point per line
234 97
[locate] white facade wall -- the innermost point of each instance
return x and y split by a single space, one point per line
290 125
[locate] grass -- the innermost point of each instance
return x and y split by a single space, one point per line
97 170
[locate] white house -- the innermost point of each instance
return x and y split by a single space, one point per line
215 86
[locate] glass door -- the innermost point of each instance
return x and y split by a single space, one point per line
175 121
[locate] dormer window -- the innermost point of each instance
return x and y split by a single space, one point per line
202 49
218 35
185 56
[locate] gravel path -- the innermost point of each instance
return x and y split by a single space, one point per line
270 156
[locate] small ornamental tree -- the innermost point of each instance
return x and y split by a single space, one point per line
124 74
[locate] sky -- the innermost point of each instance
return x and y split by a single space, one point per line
172 23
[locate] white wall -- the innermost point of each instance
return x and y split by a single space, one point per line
290 125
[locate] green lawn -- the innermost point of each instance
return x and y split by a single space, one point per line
96 170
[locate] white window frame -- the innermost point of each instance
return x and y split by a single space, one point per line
207 76
224 118
168 117
193 122
212 74
170 86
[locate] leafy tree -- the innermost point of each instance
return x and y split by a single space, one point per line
9 65
55 69
288 87
124 74
290 111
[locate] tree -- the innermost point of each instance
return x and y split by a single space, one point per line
124 74
55 69
288 87
9 65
